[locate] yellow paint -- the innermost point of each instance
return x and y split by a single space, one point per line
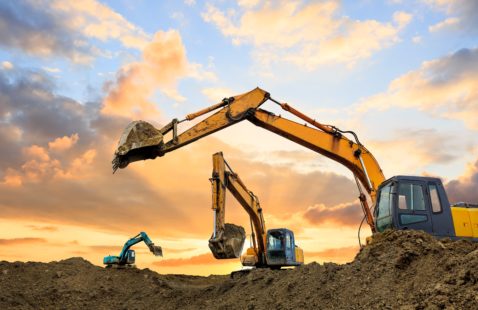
474 221
299 255
465 221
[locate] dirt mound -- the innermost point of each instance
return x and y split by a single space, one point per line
399 269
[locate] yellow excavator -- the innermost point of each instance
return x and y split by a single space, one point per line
273 248
401 202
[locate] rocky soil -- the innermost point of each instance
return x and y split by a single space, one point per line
398 270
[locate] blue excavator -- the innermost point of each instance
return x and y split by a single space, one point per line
126 258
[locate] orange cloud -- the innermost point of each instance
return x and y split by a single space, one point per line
63 143
202 259
105 248
462 15
95 19
173 251
43 228
465 187
424 146
445 87
63 28
164 64
343 214
21 241
40 165
37 152
313 35
341 255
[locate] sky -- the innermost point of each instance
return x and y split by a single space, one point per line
402 74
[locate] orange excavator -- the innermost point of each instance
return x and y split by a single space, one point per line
273 248
401 202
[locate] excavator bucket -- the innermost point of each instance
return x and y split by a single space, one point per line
156 250
136 143
228 242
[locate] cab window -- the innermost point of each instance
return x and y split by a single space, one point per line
384 218
288 242
435 199
410 197
275 241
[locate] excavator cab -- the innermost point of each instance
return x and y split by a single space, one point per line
281 249
414 202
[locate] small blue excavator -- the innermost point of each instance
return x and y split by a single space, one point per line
126 258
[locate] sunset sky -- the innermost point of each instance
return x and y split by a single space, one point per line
402 74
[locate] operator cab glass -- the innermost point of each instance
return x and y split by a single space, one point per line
411 202
280 248
275 241
383 209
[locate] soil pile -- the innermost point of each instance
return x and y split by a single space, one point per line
399 269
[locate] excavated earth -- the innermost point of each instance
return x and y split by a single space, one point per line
398 270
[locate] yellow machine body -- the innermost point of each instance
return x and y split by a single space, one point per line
465 221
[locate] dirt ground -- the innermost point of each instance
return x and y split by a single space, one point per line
398 270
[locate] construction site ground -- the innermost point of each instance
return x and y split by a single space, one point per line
398 270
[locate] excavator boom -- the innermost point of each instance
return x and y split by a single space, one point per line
142 141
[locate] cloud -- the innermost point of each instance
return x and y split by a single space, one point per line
164 64
447 23
64 28
43 228
304 34
29 101
464 189
446 87
202 259
36 30
59 171
96 20
21 241
51 70
64 143
105 248
6 65
339 255
417 39
215 94
424 146
462 12
173 251
349 214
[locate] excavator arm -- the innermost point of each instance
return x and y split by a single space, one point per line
227 240
141 140
121 259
